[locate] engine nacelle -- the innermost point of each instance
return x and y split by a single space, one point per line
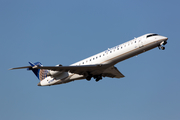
54 73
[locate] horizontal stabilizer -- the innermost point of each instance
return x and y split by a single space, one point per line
20 67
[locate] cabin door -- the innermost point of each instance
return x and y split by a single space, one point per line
140 42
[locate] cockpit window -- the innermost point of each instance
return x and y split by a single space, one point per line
152 35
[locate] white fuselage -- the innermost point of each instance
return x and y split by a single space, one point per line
110 57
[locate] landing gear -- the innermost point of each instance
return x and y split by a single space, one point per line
98 77
161 46
88 76
164 42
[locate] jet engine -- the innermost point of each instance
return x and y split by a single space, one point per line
54 73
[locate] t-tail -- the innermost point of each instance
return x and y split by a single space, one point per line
40 73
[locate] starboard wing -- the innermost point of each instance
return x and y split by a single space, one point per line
112 72
83 69
97 69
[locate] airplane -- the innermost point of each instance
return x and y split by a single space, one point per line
96 66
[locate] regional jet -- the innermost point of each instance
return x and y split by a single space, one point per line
96 66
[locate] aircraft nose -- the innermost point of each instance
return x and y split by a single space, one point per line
39 84
164 38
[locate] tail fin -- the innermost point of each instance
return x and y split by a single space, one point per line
40 73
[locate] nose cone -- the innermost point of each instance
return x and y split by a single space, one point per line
165 38
39 84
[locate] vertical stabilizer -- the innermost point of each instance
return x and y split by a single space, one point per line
40 73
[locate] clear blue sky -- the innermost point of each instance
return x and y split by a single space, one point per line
64 32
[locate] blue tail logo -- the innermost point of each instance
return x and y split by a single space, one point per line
40 73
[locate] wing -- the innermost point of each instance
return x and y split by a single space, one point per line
83 69
98 69
112 72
